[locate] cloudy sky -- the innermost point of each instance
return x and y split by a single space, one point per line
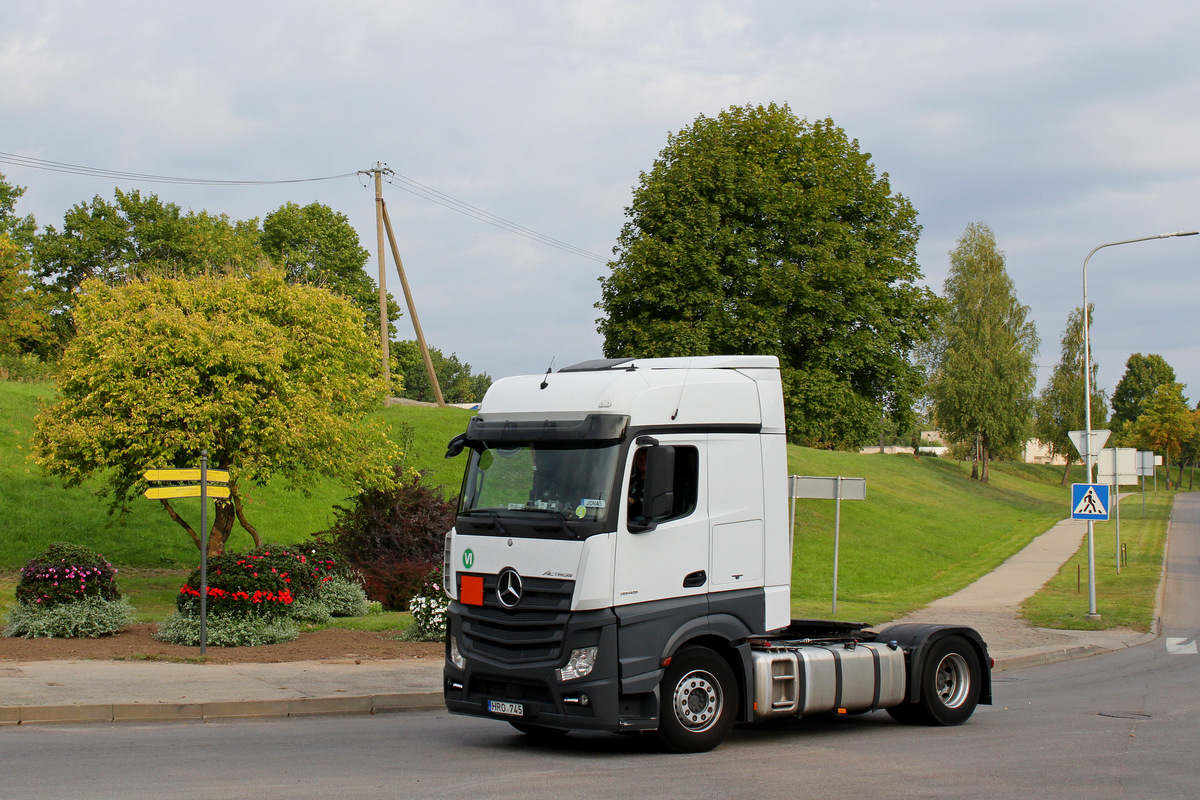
1061 125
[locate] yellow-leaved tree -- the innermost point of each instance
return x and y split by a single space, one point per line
272 379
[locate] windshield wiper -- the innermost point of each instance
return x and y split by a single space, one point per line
496 517
561 516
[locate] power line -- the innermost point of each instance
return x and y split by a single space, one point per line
77 169
401 182
411 186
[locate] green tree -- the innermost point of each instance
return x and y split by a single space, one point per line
20 230
318 246
1143 375
1166 424
1060 407
135 237
983 368
757 232
459 384
24 308
271 379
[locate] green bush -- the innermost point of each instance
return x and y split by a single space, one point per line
66 573
343 597
90 618
310 611
232 630
26 368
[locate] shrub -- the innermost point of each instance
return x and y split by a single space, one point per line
89 618
393 537
428 608
259 582
66 573
343 597
232 630
26 368
310 611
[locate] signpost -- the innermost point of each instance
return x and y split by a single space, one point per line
1118 467
1088 443
210 483
1145 468
837 488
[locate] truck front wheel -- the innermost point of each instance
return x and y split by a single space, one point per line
698 701
950 681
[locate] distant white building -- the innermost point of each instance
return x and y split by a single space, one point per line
1034 452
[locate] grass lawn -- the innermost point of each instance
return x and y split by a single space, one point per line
1125 600
924 531
37 510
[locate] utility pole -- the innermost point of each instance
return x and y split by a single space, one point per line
412 310
383 317
382 223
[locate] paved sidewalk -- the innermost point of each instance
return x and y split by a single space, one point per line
992 605
113 691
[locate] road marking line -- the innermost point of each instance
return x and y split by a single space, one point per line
1179 647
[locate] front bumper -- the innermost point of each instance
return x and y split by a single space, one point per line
594 702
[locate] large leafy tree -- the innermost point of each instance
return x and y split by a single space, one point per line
318 246
273 380
134 237
1143 375
758 232
20 230
1060 406
983 368
1166 424
24 308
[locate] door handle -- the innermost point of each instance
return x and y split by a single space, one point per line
695 579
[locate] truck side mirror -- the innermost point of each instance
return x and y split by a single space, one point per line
659 494
456 445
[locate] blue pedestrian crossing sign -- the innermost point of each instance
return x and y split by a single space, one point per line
1089 501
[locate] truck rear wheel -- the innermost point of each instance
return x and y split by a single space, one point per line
950 681
698 701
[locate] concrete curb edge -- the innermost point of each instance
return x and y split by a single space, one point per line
234 709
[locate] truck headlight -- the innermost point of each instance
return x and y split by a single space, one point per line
455 657
579 665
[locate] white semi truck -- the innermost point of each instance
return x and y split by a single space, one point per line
621 561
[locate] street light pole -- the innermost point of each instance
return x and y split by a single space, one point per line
1087 400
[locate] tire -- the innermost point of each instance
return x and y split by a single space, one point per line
698 701
950 682
539 732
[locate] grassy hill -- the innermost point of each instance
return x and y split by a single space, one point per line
36 510
924 531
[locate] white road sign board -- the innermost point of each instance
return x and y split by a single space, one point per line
1098 439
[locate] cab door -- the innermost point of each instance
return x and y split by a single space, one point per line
672 559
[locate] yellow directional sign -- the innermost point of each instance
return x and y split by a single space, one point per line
214 475
166 492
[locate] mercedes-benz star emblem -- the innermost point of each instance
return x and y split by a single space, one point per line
508 588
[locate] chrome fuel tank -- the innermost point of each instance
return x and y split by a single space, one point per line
801 679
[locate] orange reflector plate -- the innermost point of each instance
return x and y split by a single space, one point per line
470 590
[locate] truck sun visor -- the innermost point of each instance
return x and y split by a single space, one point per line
593 427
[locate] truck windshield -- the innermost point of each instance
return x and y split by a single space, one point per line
573 480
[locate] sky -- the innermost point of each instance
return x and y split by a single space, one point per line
1061 125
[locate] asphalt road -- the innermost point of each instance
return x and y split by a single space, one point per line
1125 725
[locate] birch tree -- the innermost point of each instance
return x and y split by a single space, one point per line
983 369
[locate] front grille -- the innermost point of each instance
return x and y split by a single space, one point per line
533 631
